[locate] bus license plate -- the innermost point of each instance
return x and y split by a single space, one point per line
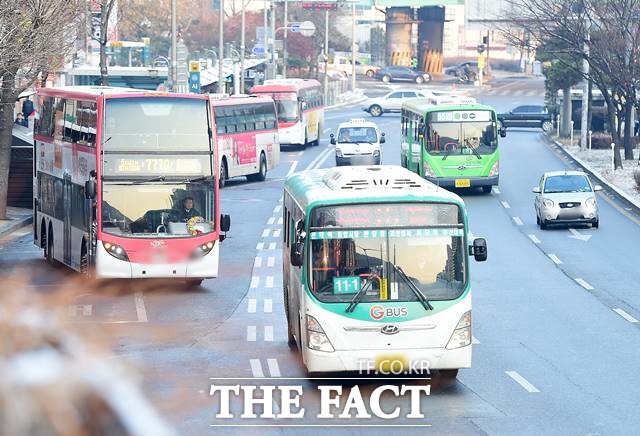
391 364
463 183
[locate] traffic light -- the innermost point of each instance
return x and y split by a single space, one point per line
485 40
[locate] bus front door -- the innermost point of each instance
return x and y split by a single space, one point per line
68 192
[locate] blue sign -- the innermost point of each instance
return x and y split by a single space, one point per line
194 82
258 49
294 27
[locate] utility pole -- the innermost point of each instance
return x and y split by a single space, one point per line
265 34
174 47
326 55
584 119
221 78
353 47
242 49
273 67
284 42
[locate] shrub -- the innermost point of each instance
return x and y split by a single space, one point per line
636 177
601 141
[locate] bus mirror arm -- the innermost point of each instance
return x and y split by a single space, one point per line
90 188
479 249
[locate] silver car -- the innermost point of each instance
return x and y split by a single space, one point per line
566 197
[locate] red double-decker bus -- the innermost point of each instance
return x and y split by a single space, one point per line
246 135
125 183
300 108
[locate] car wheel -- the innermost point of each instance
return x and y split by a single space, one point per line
386 78
375 110
543 225
596 224
427 77
537 219
419 80
547 126
369 73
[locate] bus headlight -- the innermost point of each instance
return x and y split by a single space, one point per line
316 337
495 169
428 172
461 336
115 250
203 249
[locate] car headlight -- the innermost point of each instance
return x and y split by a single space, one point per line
495 169
376 152
461 336
338 152
115 250
203 249
548 203
316 337
591 202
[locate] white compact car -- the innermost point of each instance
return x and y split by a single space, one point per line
358 142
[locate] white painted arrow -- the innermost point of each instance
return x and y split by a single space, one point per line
577 235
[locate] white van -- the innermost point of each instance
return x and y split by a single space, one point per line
359 142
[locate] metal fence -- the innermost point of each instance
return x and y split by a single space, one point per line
335 88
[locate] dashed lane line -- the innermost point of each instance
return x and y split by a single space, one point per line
522 381
257 263
252 306
555 259
584 284
292 169
534 239
625 315
277 209
265 233
518 221
255 282
271 220
268 333
276 233
505 205
270 281
251 333
272 246
260 246
271 260
141 310
280 221
268 305
256 368
274 369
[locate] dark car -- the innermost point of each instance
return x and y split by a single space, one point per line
398 73
527 116
455 70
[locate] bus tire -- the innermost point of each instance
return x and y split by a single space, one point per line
291 338
224 174
43 237
84 259
48 254
487 189
262 171
449 374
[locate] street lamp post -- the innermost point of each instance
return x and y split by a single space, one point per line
174 47
284 42
326 55
242 49
353 47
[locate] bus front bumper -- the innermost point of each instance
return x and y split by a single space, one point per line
366 362
450 182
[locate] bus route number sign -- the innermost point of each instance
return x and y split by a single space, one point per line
346 285
158 166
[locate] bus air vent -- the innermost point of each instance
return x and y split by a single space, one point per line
357 178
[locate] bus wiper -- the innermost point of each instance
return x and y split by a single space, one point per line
421 297
356 298
152 179
473 150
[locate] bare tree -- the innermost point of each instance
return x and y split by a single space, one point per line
35 36
106 7
604 32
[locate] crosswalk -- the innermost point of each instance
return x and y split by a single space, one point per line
514 92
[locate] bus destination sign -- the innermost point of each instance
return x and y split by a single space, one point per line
461 116
132 166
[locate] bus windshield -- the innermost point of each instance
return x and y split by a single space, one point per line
451 138
287 107
156 124
385 262
141 209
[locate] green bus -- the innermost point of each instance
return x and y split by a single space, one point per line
453 146
376 271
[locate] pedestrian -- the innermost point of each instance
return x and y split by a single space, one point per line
27 108
20 120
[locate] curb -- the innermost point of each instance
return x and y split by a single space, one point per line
15 225
621 195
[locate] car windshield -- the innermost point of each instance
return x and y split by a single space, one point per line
468 137
357 134
566 183
158 210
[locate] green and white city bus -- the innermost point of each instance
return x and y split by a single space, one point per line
454 146
376 271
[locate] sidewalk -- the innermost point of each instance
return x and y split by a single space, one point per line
16 217
599 164
349 97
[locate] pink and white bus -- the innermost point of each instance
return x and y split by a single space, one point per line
125 183
300 107
246 135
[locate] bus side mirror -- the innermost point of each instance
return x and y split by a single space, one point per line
382 139
479 249
333 139
503 132
297 248
225 222
90 189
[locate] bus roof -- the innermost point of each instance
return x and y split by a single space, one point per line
217 100
364 184
285 85
93 92
420 105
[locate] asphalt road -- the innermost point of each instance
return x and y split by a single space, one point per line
556 346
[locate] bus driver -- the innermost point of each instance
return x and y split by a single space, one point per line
186 212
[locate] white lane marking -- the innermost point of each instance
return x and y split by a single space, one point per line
270 281
253 304
555 259
257 263
277 209
271 220
141 311
294 164
579 236
584 284
256 368
280 221
326 130
300 153
84 309
321 161
474 340
271 261
534 239
268 305
268 333
274 369
505 205
320 158
625 315
260 246
517 220
272 246
276 233
496 190
255 282
251 333
265 233
522 381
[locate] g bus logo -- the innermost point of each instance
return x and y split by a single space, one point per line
378 312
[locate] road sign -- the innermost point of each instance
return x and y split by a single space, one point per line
294 27
194 81
307 28
258 49
260 34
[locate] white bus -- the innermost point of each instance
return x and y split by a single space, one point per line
376 271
